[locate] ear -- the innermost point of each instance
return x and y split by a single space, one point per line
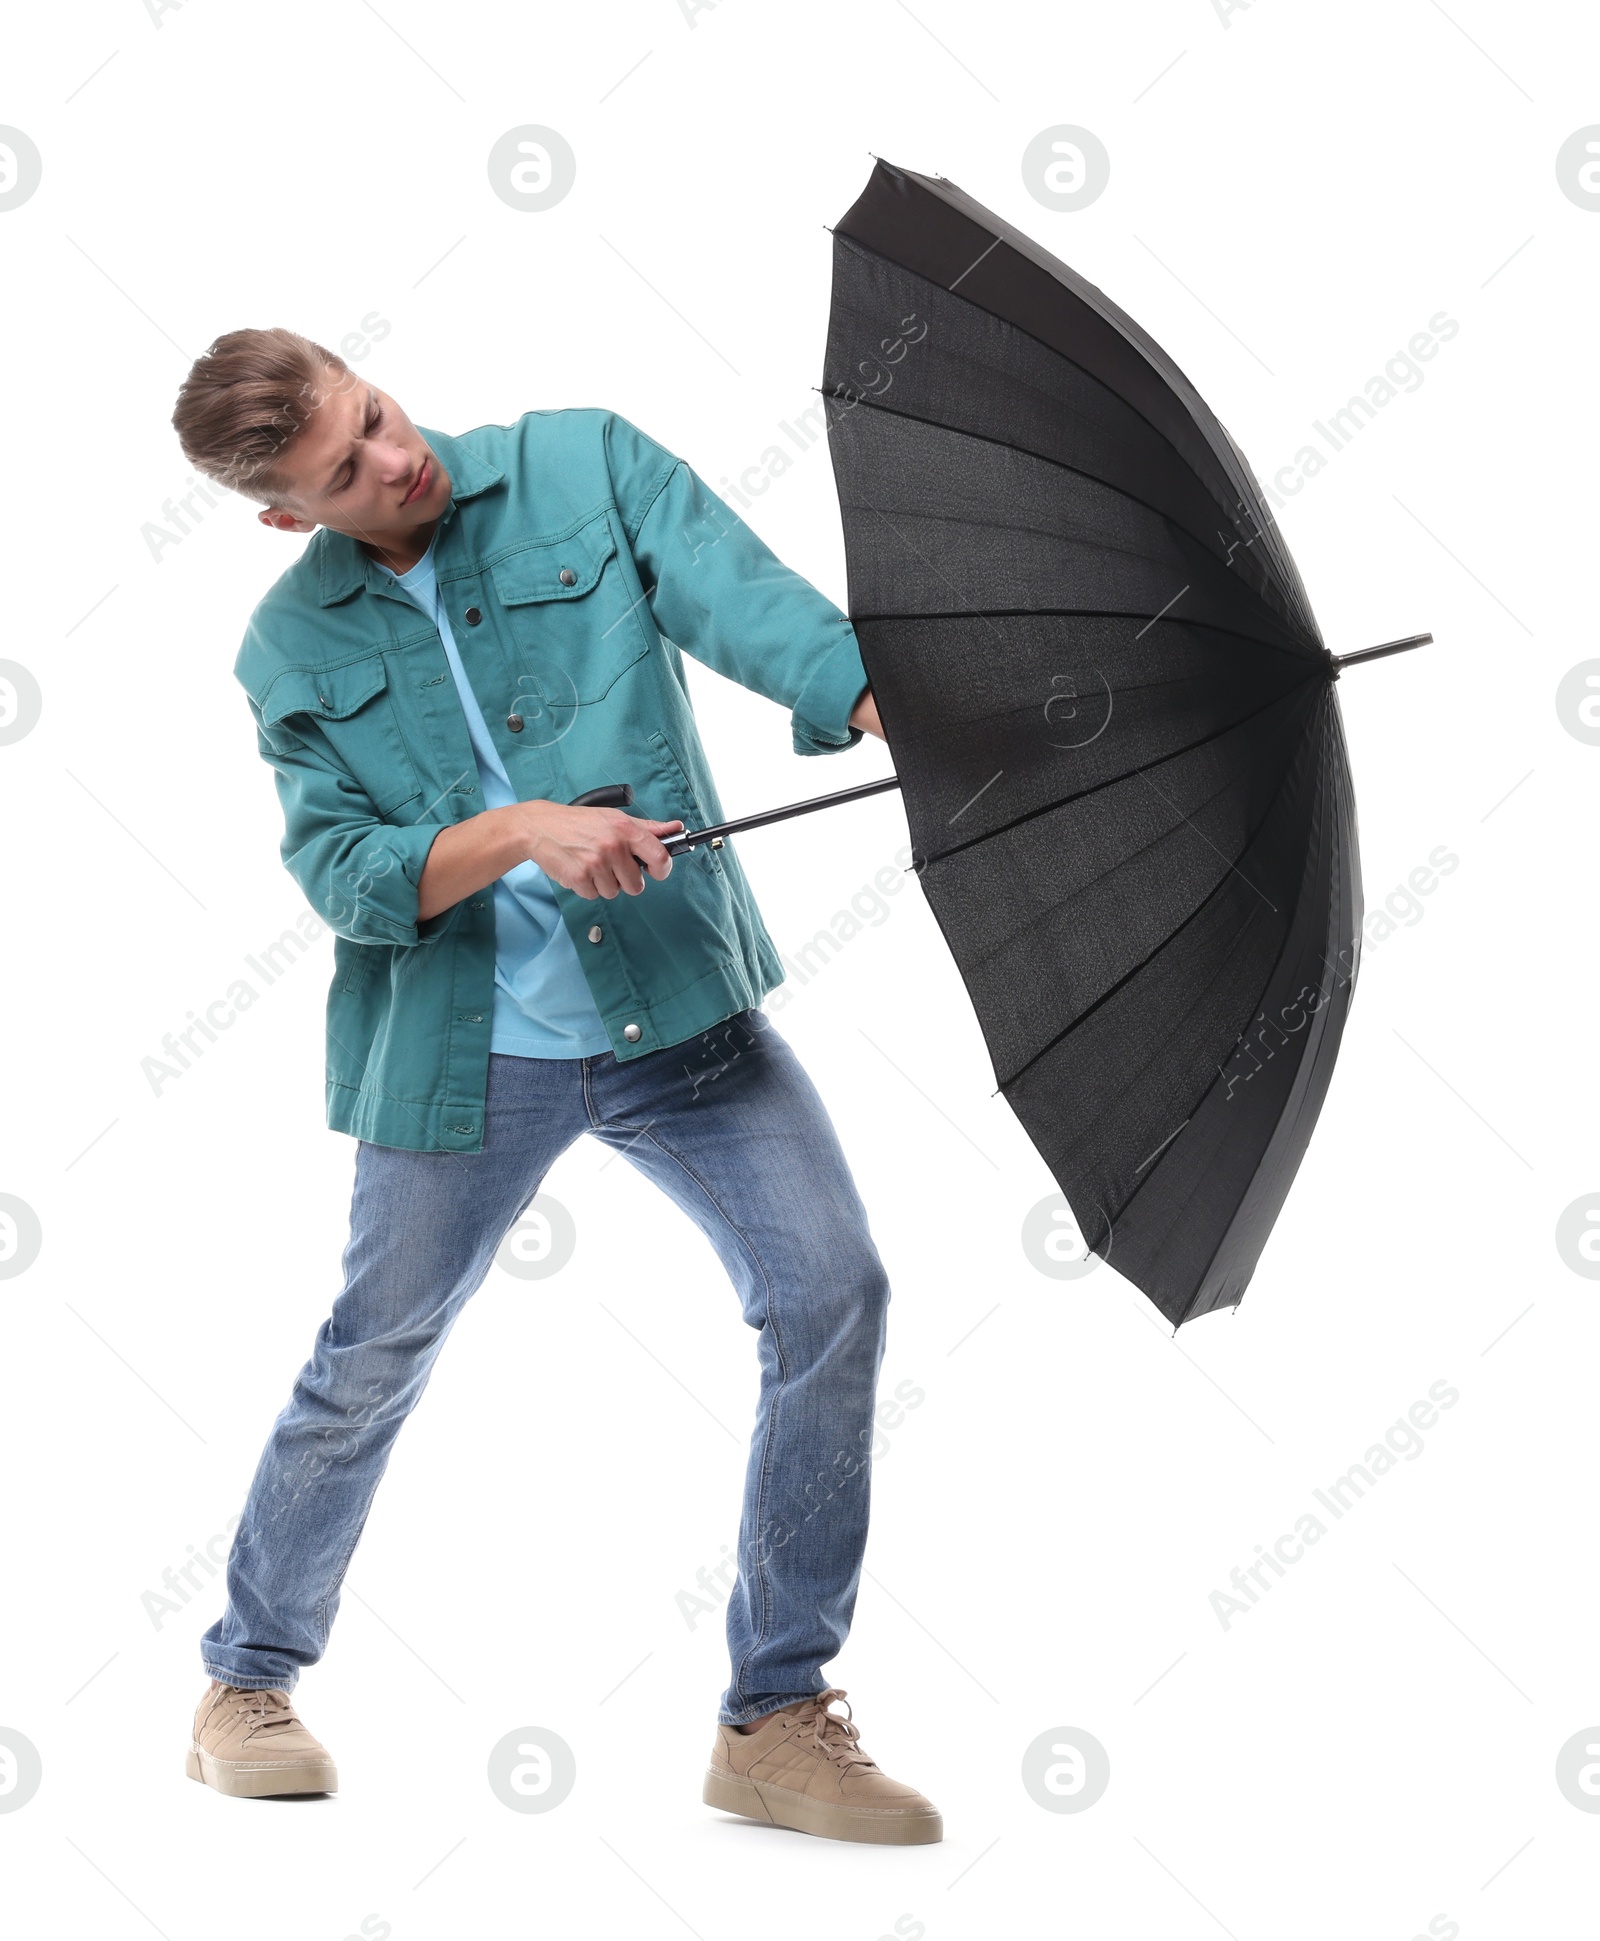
282 520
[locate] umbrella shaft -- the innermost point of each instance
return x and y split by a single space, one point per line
1389 647
677 845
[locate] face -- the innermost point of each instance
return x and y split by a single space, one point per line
361 467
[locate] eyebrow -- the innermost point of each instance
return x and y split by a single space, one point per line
366 413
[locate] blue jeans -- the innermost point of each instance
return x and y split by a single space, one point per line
730 1127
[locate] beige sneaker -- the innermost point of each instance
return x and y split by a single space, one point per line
803 1768
251 1744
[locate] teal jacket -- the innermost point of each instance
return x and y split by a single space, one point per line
578 558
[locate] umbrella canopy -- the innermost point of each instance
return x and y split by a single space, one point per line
1114 722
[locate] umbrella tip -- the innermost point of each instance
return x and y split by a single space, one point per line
1380 653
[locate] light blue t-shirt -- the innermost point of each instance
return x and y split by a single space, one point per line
542 1005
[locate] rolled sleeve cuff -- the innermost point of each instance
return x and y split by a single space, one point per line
821 719
376 900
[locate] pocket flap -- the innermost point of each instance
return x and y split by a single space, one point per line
329 693
535 573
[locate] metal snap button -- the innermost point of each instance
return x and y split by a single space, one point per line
514 723
632 1033
472 616
322 701
595 933
567 577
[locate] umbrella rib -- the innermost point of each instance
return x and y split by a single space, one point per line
1206 839
1084 613
1212 1086
1055 350
1060 464
1159 362
1150 957
1014 713
1157 761
1104 548
1004 943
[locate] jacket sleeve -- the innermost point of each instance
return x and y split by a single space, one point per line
718 592
359 873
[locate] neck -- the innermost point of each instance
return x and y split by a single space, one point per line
401 551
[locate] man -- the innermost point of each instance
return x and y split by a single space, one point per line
482 628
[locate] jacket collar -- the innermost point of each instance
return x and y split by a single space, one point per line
342 563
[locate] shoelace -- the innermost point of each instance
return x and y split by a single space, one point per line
834 1737
267 1711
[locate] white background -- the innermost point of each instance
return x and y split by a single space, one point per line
1295 190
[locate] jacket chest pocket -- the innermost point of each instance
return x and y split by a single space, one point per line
350 708
573 628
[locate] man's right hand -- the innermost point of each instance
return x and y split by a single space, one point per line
593 852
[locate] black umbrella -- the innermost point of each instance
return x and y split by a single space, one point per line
1114 722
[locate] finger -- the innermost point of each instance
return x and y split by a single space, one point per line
616 855
646 850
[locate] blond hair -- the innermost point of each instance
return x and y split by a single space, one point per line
247 399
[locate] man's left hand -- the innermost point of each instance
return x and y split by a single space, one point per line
865 715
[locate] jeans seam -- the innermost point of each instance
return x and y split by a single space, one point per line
769 1437
588 1098
336 1586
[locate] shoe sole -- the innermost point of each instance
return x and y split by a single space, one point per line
783 1806
241 1781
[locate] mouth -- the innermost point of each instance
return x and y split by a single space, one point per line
423 480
